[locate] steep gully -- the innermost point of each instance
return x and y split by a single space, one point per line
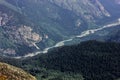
61 43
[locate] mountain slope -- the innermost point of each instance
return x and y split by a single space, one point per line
93 8
91 60
28 28
94 60
112 7
8 72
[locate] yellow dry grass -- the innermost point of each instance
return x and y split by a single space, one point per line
8 72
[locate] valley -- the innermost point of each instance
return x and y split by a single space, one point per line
61 43
60 39
38 27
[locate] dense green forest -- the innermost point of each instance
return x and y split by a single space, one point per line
91 59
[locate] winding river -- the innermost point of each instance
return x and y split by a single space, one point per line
61 43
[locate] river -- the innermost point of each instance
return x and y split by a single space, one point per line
61 43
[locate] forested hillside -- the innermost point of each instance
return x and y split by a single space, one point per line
92 59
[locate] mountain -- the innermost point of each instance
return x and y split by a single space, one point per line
89 60
60 39
92 59
41 73
80 8
105 33
8 72
26 28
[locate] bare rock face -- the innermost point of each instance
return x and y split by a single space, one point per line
28 36
8 72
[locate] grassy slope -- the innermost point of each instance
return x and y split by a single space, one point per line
8 72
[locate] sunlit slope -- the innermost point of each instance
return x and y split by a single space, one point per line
8 72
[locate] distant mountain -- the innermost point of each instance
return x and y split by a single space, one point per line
94 8
30 25
8 72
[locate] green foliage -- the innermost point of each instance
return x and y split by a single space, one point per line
50 42
90 60
57 75
94 60
5 42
